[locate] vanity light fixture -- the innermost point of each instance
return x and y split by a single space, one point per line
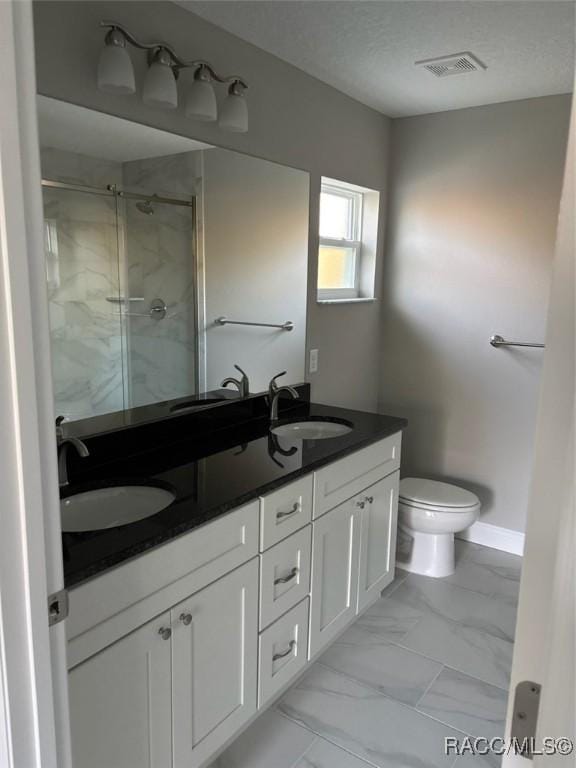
116 75
201 99
115 70
234 111
160 82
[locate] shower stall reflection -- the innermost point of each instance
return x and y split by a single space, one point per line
122 296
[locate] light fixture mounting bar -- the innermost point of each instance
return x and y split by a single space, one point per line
178 62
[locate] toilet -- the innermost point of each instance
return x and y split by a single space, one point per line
429 514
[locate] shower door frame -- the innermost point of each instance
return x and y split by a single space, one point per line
120 196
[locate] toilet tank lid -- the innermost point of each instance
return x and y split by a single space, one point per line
418 490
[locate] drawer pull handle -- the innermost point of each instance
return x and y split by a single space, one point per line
186 618
283 655
285 579
165 633
295 508
370 499
361 504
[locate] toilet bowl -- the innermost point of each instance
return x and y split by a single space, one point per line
429 514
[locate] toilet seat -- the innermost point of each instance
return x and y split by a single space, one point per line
435 496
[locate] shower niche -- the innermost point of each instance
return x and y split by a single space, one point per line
150 239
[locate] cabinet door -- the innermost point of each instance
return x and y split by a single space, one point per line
378 519
335 548
214 664
120 702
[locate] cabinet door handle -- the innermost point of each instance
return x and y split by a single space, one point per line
285 579
291 646
295 508
361 504
369 499
186 618
165 633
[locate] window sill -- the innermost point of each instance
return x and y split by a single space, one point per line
347 301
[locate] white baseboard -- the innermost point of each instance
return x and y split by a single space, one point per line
493 536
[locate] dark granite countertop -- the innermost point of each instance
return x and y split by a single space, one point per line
210 474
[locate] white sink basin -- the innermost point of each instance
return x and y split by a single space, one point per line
311 430
111 507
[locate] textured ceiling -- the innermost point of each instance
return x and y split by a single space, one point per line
368 49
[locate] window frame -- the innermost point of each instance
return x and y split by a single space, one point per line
354 242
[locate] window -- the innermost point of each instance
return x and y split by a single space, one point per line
348 242
339 255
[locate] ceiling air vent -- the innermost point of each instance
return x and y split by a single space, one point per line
453 64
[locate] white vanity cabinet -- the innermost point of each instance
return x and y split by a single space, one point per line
335 551
214 665
353 543
352 559
172 653
174 690
120 702
378 521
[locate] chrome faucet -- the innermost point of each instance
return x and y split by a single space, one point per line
273 387
243 384
276 397
63 443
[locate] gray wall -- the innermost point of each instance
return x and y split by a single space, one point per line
471 231
294 119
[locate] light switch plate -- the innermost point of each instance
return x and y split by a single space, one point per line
313 366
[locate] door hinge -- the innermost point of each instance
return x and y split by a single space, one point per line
57 607
525 716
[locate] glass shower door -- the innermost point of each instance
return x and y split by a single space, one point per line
160 271
84 293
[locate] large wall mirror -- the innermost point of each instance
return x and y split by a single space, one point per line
152 239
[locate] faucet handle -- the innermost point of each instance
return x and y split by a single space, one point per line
244 374
59 421
273 387
245 382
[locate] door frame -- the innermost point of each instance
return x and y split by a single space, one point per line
544 645
34 728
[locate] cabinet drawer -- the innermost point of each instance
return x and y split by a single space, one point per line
285 511
283 648
284 575
345 478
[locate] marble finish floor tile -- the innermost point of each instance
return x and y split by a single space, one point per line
475 653
467 704
479 761
390 619
371 660
399 577
366 723
486 570
439 598
272 741
323 754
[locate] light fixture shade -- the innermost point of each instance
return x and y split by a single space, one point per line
115 70
160 86
234 111
201 101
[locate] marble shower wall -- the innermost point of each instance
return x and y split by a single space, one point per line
160 265
82 271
